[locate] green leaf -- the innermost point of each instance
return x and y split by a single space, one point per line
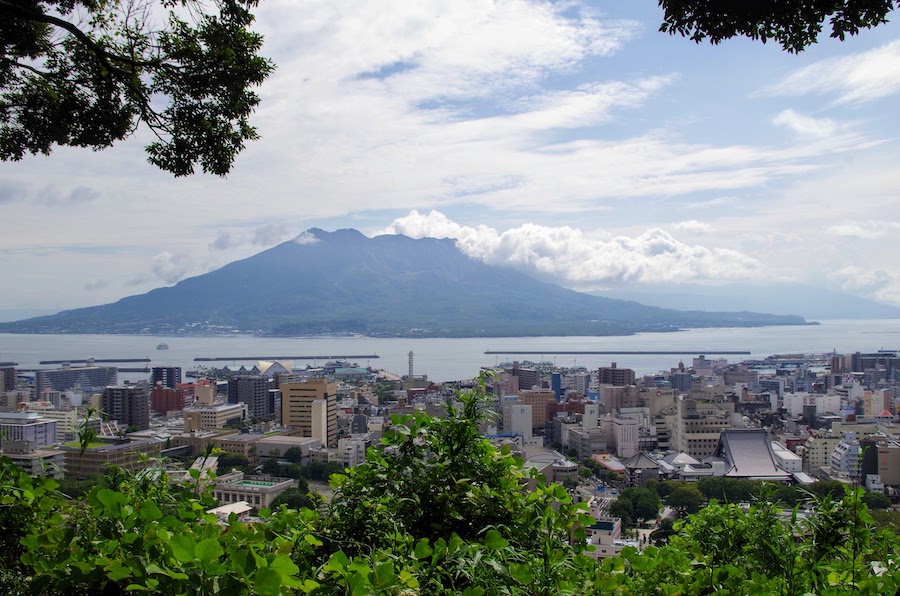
521 573
150 512
268 582
183 547
312 540
494 541
209 550
283 564
422 550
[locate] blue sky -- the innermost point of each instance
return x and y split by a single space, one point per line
571 140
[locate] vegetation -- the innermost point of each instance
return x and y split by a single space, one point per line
87 73
795 24
438 511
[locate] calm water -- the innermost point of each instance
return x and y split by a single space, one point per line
451 359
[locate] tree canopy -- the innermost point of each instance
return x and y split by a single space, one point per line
88 73
795 24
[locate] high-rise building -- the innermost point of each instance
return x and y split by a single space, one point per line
613 375
311 407
169 376
7 378
68 377
253 391
164 399
129 405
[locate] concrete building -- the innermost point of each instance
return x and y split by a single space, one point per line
311 407
615 376
129 405
696 426
258 491
538 399
241 444
68 377
7 378
214 416
205 392
167 376
816 452
277 445
97 457
166 399
253 391
24 432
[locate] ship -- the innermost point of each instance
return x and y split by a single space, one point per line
162 347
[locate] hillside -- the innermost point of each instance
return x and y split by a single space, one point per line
345 282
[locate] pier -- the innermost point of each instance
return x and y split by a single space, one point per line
621 352
251 358
94 360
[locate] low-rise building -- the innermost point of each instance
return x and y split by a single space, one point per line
257 491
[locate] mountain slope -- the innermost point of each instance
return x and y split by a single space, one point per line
344 282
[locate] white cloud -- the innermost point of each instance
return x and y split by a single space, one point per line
306 237
169 267
565 255
692 227
871 229
264 235
805 125
854 79
857 280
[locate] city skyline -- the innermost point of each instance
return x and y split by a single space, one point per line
572 141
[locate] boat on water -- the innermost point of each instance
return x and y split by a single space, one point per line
162 347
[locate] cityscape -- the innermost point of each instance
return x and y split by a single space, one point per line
788 419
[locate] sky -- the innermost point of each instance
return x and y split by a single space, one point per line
571 140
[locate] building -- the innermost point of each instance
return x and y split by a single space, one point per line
168 376
311 407
613 375
258 491
129 405
165 399
214 416
98 456
539 400
7 378
69 377
242 445
253 391
24 432
695 428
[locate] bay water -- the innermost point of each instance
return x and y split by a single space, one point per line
448 359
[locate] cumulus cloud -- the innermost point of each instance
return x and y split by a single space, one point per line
567 256
857 280
871 229
854 79
692 226
264 235
805 125
306 237
167 267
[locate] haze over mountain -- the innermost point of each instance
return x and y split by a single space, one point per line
390 285
808 301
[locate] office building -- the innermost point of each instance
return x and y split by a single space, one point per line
311 407
613 375
169 376
128 405
165 399
69 377
253 391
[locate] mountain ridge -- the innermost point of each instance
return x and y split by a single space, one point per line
390 285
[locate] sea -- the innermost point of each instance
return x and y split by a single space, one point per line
451 359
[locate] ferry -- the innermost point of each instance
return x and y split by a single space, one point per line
162 347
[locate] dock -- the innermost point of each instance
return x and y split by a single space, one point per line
621 352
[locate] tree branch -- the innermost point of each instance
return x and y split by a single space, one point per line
101 52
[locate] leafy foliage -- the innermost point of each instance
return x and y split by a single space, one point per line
136 532
795 24
88 73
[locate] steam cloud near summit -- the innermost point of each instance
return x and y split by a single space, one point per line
564 255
